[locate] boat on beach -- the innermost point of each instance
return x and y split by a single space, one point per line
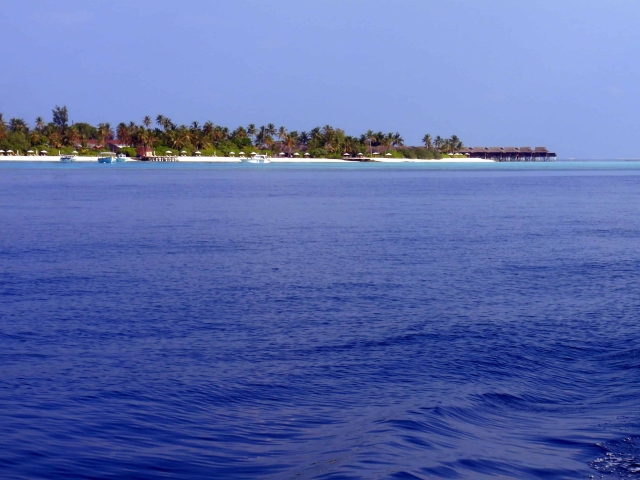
67 158
106 157
257 159
121 158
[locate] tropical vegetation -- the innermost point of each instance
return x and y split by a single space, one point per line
161 134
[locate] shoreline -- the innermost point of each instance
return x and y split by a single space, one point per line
56 159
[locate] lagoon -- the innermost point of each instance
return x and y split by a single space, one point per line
436 320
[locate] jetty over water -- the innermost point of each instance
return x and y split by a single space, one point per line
510 154
159 159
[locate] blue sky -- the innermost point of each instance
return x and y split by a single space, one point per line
558 73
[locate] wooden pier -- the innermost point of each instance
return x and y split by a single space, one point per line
159 159
510 154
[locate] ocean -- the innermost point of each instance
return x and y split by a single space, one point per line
320 321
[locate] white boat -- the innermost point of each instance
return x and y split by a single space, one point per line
257 159
67 158
121 158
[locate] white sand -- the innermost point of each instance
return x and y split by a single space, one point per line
55 158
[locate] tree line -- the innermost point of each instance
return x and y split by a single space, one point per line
162 134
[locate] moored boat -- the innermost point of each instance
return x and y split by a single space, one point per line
257 159
121 158
67 158
106 157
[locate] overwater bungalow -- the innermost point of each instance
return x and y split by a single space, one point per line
510 154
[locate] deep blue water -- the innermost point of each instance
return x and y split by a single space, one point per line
334 322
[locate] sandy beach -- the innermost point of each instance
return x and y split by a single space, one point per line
237 160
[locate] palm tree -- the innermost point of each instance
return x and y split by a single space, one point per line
271 129
160 120
282 133
123 133
398 141
239 133
34 137
54 139
146 121
18 125
290 142
456 144
72 136
438 142
252 131
3 127
105 133
39 124
427 141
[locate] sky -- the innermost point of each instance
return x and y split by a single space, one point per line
556 73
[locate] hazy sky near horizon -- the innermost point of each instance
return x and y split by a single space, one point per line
557 73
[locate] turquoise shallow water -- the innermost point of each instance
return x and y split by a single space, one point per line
320 321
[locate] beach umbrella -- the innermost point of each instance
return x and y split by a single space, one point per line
360 155
253 153
282 154
1 151
376 153
9 151
345 154
75 151
198 152
232 153
29 151
296 154
168 151
307 154
388 155
241 153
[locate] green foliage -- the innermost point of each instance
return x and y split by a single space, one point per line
418 153
60 117
16 141
318 153
210 139
86 130
129 151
